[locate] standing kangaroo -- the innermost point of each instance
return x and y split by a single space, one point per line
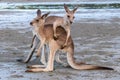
65 22
45 31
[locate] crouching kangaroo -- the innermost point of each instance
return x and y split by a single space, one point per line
45 31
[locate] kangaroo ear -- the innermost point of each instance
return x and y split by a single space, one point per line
66 8
45 15
74 10
39 12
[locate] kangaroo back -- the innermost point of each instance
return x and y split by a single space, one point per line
52 19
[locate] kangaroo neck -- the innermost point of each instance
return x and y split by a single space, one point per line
39 30
66 21
40 27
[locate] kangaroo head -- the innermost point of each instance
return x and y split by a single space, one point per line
39 20
70 13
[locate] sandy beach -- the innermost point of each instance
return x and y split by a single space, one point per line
56 0
96 41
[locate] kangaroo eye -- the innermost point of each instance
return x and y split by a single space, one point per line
37 20
68 16
73 17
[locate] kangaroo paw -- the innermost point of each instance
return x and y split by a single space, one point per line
62 47
55 37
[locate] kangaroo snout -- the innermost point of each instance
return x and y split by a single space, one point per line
71 22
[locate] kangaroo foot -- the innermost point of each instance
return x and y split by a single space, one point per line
22 60
31 45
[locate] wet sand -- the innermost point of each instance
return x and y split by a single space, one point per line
11 1
96 42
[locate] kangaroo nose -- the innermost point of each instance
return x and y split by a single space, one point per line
31 23
71 22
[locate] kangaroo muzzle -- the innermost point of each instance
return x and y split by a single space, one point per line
31 23
71 22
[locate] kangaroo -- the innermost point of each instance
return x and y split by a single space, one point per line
38 41
45 31
65 21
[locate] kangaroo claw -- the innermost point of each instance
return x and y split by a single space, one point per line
63 46
55 37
